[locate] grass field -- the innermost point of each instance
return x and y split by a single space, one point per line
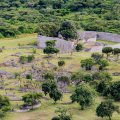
47 109
107 42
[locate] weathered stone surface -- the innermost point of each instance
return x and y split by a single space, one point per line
62 45
86 35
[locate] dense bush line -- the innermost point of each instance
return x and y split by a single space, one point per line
29 16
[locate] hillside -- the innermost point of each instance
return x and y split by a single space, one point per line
29 16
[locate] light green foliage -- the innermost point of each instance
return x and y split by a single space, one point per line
84 95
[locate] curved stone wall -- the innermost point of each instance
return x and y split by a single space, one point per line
108 36
99 35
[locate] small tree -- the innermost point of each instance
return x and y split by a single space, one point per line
68 30
77 77
87 78
107 50
30 58
31 98
106 109
23 59
116 51
102 64
55 94
103 76
83 95
29 76
61 63
63 114
5 105
46 87
96 56
114 91
78 47
50 43
102 86
87 63
50 50
49 76
64 79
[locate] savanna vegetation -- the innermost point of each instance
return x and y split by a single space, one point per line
39 85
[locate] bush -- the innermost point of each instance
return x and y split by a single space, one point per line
78 47
29 76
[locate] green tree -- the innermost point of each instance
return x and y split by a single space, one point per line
77 77
61 63
116 51
103 76
31 98
78 47
68 30
84 95
87 63
48 76
96 56
107 50
50 50
106 109
55 94
64 79
102 64
48 86
114 91
63 114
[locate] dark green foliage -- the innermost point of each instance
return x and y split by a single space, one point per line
48 76
25 59
104 76
114 91
50 50
4 104
46 87
102 64
30 58
64 79
44 16
50 43
61 63
56 118
106 109
29 76
68 30
102 87
87 78
77 76
48 29
31 98
87 63
107 50
84 95
97 56
116 51
50 88
55 94
78 47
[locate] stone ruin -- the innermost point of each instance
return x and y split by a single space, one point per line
61 44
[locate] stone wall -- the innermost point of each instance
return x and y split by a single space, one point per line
87 35
62 45
108 36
